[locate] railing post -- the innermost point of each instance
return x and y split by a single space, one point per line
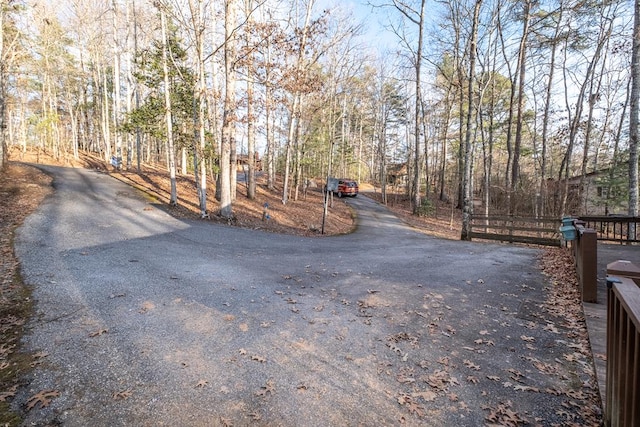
589 264
585 253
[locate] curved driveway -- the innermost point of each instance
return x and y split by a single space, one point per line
143 319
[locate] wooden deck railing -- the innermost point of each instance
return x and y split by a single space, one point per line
622 402
544 231
622 229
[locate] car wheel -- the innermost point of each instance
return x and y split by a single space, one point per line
340 194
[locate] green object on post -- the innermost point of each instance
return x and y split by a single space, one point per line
567 220
569 232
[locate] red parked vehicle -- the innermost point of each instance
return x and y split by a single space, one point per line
347 187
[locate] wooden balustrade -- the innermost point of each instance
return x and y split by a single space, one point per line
622 402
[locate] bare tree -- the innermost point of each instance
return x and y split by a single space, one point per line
229 115
415 15
168 111
633 111
522 73
199 145
467 209
3 91
295 109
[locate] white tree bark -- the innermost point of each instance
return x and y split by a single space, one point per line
168 113
634 108
229 115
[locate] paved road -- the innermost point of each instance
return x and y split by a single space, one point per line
149 320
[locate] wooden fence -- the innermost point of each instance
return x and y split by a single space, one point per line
512 229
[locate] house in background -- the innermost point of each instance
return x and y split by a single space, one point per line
397 174
597 193
242 162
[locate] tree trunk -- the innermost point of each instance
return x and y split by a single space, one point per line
633 118
228 118
415 197
522 64
575 122
269 125
199 143
509 143
251 128
117 106
173 200
296 107
2 91
467 209
542 196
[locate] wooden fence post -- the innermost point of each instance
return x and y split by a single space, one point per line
588 256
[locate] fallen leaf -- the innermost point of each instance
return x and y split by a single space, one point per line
405 379
202 384
427 395
266 389
574 357
146 307
469 364
7 394
43 398
122 395
411 405
98 333
520 387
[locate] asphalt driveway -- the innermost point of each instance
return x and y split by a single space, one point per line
146 320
